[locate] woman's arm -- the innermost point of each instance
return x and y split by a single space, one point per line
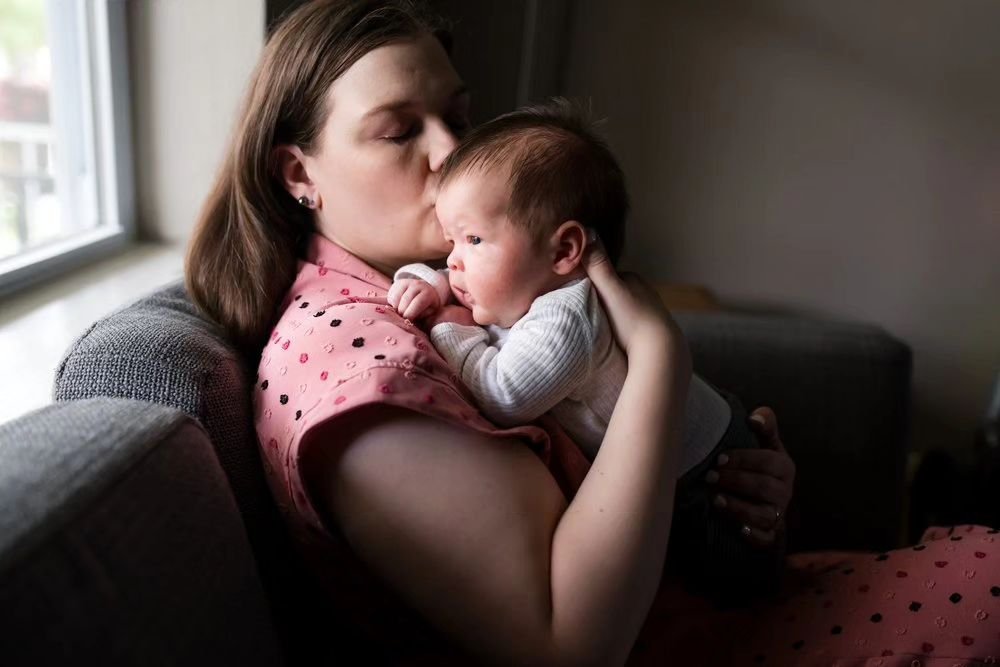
474 533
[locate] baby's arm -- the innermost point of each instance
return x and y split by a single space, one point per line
543 359
418 290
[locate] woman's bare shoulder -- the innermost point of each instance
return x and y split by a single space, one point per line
458 522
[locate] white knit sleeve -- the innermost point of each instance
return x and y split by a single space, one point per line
437 279
543 360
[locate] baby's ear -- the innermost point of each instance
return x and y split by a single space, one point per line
569 243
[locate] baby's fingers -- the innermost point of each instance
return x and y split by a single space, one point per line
422 302
396 291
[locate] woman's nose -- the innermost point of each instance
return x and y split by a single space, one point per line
443 142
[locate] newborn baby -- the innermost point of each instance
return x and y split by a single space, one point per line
516 317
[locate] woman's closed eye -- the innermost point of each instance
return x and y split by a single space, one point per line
401 137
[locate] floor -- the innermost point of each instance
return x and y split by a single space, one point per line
39 324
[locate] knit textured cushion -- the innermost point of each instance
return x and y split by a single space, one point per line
120 543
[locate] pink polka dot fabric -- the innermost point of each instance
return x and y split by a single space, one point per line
338 346
936 604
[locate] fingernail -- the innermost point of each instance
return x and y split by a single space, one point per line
712 477
723 459
719 502
758 419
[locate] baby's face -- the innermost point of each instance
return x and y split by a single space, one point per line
497 269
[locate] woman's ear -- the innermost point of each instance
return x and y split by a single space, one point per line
294 175
569 243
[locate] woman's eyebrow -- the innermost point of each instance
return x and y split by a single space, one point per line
462 89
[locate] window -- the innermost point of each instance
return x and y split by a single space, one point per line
65 147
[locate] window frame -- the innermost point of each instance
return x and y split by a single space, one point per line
109 90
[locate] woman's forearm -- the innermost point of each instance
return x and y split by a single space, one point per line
609 546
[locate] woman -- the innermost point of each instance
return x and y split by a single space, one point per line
389 478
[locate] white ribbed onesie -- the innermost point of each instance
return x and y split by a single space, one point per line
561 357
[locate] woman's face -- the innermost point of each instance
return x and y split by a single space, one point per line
394 116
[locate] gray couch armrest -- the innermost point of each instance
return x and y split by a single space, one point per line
120 543
842 395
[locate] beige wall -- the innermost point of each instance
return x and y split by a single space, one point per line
810 157
190 61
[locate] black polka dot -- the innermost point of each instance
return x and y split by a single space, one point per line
298 413
876 618
955 598
915 606
298 296
358 342
380 357
836 630
304 304
956 538
993 531
920 547
849 570
283 398
995 591
319 313
799 644
263 385
334 323
882 557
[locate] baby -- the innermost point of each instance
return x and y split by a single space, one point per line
515 315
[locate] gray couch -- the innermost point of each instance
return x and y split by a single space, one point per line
137 528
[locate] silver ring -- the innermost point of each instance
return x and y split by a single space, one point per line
746 530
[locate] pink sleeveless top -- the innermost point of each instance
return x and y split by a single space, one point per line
338 345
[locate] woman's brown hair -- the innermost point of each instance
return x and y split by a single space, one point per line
243 254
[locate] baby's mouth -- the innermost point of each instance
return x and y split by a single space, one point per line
464 297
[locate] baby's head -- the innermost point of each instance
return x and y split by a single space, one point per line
519 198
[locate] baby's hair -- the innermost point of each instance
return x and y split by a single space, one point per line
558 169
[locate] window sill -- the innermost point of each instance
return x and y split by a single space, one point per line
38 324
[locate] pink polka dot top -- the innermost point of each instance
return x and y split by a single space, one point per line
337 346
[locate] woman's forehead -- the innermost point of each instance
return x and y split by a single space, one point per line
412 72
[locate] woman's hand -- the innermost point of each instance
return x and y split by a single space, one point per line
637 315
755 485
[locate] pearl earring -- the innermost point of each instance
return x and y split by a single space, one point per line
305 201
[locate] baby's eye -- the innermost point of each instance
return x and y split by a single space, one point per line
474 240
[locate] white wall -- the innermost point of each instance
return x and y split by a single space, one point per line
190 61
811 157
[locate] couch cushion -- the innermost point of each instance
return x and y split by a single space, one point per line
841 391
161 349
120 543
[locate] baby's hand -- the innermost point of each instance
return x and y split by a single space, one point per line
413 298
454 314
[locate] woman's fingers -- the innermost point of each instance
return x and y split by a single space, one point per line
752 486
761 517
763 461
765 424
